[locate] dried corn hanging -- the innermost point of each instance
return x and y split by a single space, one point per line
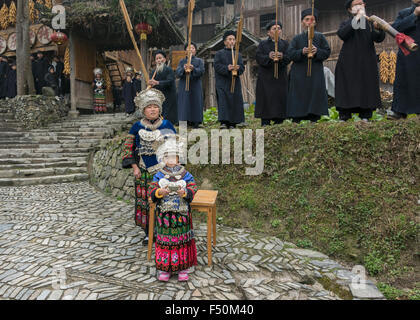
48 4
107 78
67 61
33 13
4 17
12 13
384 67
392 66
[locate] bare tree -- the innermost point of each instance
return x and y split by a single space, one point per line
25 79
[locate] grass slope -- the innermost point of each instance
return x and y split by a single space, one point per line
350 190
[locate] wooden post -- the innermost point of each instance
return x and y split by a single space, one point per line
144 53
73 111
25 80
212 85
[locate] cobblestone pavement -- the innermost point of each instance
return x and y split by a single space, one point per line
68 241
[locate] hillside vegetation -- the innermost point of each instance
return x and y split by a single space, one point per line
350 190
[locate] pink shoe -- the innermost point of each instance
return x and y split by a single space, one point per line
183 275
164 276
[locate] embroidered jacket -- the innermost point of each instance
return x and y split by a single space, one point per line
173 178
138 147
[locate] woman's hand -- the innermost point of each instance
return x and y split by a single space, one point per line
181 192
136 172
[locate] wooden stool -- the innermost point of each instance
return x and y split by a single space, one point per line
204 201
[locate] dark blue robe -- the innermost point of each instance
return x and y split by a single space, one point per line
190 103
133 156
307 95
40 69
11 84
137 85
407 79
129 93
167 86
4 68
356 73
271 92
230 105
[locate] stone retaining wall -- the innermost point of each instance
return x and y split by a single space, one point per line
107 173
36 111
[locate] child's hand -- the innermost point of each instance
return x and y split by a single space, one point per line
164 192
181 192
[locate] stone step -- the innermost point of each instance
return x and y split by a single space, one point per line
73 134
28 161
42 155
53 149
59 164
8 144
7 116
78 131
44 180
12 133
34 173
50 145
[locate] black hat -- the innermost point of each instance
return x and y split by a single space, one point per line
273 23
308 12
229 33
192 43
163 53
348 3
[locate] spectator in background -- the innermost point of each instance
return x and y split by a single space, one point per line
11 81
4 67
59 68
51 79
137 82
129 91
116 94
40 69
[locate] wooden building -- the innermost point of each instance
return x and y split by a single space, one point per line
98 38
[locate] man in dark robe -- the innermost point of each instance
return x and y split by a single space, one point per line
4 68
307 97
164 81
129 92
51 79
190 103
116 94
59 68
12 81
407 79
356 73
230 105
40 70
271 92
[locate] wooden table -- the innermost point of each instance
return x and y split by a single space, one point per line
204 201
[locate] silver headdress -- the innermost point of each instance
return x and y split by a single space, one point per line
148 97
129 70
174 145
97 71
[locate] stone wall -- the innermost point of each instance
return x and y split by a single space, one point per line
36 111
106 172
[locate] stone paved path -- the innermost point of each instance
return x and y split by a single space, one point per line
68 241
